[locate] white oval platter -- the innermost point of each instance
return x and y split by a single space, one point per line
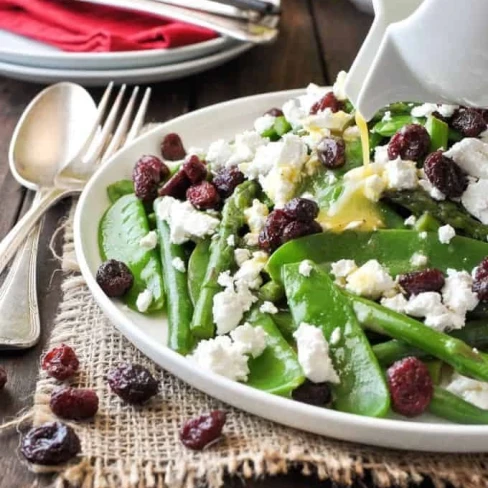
198 129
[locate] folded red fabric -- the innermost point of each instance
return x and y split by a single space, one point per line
84 27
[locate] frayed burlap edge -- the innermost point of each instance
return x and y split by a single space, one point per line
251 448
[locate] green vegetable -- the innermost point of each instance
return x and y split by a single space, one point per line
392 248
317 301
271 292
276 370
474 333
123 225
388 128
435 370
119 189
439 133
414 333
179 305
426 223
446 405
197 267
221 257
455 136
375 140
275 132
284 322
447 212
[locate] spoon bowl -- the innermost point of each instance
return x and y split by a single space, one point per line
51 133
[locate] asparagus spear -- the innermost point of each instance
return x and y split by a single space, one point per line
221 257
418 202
453 351
447 405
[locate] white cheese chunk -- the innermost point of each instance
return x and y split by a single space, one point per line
185 222
471 155
401 175
149 241
313 354
250 340
381 154
305 268
472 391
231 240
335 337
241 255
396 303
418 259
446 233
475 200
264 123
144 300
429 108
249 272
178 264
410 221
256 216
457 293
343 268
371 280
268 307
339 86
218 153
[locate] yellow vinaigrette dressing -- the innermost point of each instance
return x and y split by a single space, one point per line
353 210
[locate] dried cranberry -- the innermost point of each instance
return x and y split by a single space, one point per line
50 443
201 431
274 112
329 100
302 209
297 229
172 147
270 238
176 186
60 362
203 196
445 175
468 121
3 378
133 383
411 142
227 180
421 281
153 166
410 386
331 152
145 188
74 403
114 278
313 393
194 169
480 283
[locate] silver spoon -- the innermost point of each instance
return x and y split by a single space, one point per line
51 132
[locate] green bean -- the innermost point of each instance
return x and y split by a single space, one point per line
446 405
221 257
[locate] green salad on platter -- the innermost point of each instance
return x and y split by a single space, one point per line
343 268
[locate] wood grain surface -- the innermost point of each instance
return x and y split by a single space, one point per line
318 38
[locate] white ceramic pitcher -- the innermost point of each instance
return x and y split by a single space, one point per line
423 51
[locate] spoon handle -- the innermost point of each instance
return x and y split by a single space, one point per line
19 311
18 234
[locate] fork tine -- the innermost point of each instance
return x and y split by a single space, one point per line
108 126
121 131
139 118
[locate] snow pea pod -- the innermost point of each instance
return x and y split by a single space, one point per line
446 405
391 247
276 370
388 128
121 228
453 351
197 267
179 306
439 133
317 301
221 257
119 189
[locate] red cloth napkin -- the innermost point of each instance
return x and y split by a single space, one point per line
84 27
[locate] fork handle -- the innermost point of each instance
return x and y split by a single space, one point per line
18 234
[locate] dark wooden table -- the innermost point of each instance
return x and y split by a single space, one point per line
318 39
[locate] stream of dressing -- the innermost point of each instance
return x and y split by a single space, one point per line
363 130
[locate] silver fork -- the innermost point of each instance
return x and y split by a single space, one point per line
19 310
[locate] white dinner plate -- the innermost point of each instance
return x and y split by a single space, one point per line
21 50
131 76
148 334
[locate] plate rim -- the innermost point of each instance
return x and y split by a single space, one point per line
233 392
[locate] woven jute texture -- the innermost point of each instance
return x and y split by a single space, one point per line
139 447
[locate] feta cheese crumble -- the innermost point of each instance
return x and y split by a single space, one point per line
313 354
401 175
429 108
305 268
256 216
475 200
149 241
343 268
371 280
249 340
472 391
241 255
249 273
185 222
418 259
339 86
446 233
471 155
144 300
335 337
178 264
268 307
397 303
410 221
231 240
457 293
264 123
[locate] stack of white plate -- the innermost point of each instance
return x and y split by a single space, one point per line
29 60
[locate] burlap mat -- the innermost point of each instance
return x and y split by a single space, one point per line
139 447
